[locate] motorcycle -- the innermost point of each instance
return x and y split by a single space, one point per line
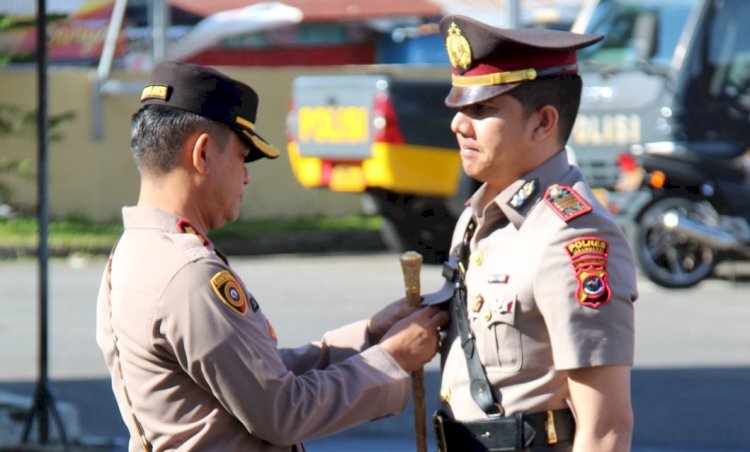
691 210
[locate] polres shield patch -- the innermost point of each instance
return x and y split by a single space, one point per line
589 258
230 291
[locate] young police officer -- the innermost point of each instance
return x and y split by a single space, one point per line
194 361
539 356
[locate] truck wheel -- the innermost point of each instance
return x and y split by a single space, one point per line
416 223
671 259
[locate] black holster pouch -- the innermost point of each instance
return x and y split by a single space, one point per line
504 433
493 434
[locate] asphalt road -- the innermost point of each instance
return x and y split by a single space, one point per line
691 381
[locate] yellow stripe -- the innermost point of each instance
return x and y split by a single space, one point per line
266 148
244 123
497 78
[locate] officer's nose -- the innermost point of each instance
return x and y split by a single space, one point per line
246 178
461 124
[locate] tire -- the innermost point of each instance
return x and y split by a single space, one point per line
668 258
416 223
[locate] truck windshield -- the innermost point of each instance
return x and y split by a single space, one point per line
615 19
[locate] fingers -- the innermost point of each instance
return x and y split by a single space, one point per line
433 316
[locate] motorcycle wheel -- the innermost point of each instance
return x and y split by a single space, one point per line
668 258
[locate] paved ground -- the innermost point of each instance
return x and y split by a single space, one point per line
691 382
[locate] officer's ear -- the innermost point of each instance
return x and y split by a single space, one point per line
546 121
198 148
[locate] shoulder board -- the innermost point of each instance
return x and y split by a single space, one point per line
185 227
566 202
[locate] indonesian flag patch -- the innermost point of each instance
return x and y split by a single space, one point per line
589 258
230 291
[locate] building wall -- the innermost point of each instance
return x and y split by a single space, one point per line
95 178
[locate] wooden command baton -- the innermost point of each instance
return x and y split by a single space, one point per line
411 263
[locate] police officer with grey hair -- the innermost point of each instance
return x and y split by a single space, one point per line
540 345
193 359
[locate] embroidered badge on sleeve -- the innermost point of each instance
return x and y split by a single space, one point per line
566 202
589 258
229 291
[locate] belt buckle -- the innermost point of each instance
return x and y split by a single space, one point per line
437 421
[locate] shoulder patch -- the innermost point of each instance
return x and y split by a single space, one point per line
566 202
230 292
588 255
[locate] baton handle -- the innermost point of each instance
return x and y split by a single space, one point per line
411 264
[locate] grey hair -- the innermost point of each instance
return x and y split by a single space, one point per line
158 133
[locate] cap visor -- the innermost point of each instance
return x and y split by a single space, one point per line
460 97
261 148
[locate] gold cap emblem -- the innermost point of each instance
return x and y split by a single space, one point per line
459 50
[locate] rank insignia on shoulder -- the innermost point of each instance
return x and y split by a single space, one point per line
588 255
566 202
230 292
187 228
523 194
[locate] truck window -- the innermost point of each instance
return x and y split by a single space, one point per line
615 19
717 81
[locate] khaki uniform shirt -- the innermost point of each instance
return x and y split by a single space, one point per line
200 362
550 287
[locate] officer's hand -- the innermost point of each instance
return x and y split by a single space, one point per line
384 319
413 341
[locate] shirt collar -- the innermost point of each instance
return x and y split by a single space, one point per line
516 200
155 218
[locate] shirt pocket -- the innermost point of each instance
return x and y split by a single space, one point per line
498 338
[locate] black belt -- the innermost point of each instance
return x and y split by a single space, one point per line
504 433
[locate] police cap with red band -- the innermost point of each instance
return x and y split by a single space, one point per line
489 61
211 94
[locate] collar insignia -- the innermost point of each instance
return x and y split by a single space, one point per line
187 228
566 202
459 50
523 194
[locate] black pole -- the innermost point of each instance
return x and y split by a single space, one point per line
43 403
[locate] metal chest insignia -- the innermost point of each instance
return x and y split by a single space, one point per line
230 292
588 255
523 194
566 202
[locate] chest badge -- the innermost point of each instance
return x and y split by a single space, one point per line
477 257
566 202
230 292
588 255
476 305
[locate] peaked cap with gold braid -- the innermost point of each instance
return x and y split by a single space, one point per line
489 61
211 94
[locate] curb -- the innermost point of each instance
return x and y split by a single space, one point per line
312 242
